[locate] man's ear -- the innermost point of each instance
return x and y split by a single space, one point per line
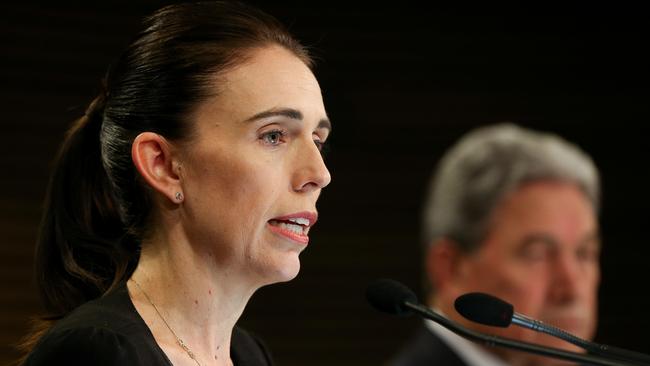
442 260
152 157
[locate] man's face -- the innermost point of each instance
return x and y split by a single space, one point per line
541 255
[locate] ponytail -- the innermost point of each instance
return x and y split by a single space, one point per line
79 253
82 248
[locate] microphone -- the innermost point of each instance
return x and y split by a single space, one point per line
389 296
392 297
490 310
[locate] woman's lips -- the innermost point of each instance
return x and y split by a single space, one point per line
294 226
293 232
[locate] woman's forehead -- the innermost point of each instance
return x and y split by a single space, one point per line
271 78
271 70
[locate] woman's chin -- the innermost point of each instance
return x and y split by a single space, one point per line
290 271
283 271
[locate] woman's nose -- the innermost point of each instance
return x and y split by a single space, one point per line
311 172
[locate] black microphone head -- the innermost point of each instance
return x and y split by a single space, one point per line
484 309
389 296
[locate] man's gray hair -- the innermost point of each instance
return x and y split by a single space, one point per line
486 165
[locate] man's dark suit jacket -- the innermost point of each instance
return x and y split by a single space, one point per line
426 349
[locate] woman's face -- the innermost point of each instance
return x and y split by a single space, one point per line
253 171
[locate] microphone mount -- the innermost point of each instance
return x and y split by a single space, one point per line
490 310
492 340
392 297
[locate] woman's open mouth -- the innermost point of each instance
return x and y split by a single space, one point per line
294 227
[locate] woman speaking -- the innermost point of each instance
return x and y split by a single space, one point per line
190 182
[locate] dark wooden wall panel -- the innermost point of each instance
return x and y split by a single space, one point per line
401 83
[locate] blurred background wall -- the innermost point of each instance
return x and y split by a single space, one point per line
401 83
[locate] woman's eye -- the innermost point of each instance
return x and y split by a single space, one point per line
319 144
273 137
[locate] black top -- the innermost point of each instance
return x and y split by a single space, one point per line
109 331
426 349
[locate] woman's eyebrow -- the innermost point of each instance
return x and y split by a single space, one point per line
325 123
283 112
289 113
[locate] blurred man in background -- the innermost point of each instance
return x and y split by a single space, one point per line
512 213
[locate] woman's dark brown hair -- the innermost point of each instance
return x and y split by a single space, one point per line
97 209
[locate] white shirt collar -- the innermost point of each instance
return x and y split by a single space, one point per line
468 352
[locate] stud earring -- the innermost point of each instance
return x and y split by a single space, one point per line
179 196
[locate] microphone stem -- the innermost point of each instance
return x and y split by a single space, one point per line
538 326
591 347
491 340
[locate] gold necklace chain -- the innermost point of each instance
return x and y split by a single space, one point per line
178 339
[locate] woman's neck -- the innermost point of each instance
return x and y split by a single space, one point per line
178 291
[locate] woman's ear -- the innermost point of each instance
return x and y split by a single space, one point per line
153 158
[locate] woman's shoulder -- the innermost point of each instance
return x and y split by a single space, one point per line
106 331
112 313
83 345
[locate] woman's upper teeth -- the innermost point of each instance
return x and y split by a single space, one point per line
298 229
299 221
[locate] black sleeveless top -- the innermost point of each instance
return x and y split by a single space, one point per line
109 331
